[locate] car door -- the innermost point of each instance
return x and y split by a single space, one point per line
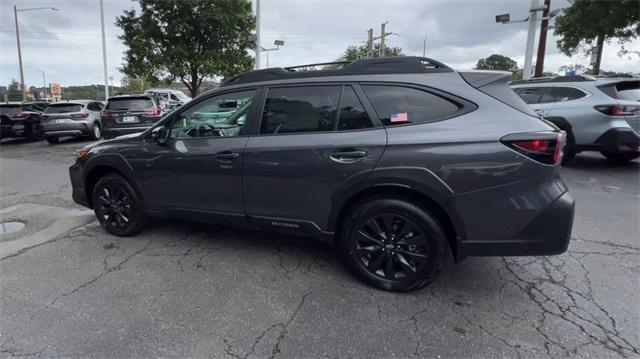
198 166
312 142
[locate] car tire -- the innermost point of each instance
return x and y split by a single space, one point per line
392 244
621 157
118 206
569 151
52 140
96 132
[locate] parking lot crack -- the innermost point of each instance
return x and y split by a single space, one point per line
91 281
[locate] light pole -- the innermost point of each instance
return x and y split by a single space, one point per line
532 19
15 13
44 82
424 45
104 52
278 43
258 47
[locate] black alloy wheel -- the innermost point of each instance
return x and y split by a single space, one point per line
393 244
117 206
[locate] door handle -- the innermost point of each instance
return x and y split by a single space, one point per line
226 156
348 155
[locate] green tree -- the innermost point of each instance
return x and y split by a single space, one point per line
136 83
497 62
587 24
188 40
13 91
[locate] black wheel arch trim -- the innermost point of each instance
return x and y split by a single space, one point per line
112 160
415 179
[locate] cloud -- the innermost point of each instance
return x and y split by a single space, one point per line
67 43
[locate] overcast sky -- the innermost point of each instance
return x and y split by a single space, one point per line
66 43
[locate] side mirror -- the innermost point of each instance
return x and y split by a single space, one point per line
159 134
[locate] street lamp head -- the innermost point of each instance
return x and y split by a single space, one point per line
279 43
555 12
55 9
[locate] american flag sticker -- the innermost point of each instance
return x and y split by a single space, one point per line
399 117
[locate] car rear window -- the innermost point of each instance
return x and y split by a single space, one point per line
397 105
129 104
10 109
64 108
624 90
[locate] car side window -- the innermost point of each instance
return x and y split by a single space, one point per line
352 114
300 109
93 106
567 94
222 115
547 95
530 95
401 105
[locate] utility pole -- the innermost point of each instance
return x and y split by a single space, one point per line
44 82
531 34
382 33
22 86
542 42
258 47
424 45
104 52
369 43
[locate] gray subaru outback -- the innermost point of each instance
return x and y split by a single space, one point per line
398 161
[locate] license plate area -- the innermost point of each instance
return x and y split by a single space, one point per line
129 119
62 120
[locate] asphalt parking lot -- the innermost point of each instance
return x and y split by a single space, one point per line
190 290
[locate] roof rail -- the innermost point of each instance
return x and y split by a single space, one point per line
384 65
572 78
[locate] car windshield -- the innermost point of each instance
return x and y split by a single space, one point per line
129 104
10 109
64 108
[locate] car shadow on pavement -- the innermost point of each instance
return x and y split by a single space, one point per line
597 162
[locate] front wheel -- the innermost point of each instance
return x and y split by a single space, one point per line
393 244
621 157
118 206
52 140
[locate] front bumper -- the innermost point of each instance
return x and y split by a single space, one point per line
548 234
79 194
615 140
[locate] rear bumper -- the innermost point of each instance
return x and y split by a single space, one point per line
111 132
78 193
615 140
548 234
73 129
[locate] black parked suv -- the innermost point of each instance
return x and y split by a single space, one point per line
396 160
22 119
127 114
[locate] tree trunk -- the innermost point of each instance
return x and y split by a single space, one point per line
542 42
599 44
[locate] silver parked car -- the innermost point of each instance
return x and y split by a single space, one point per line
598 114
78 118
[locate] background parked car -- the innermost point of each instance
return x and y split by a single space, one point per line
78 118
22 119
170 99
130 114
597 114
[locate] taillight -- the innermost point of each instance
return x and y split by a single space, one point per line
153 112
105 115
80 115
618 110
20 116
545 147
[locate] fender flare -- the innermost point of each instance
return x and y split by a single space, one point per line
115 161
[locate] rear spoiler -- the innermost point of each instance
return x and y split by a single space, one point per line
481 78
611 88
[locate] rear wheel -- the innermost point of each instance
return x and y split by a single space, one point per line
392 244
52 140
96 132
621 157
118 206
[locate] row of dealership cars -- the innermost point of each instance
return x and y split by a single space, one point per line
597 114
92 119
